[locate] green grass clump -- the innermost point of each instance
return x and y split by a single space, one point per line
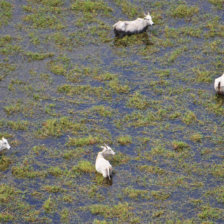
105 77
5 40
89 140
5 12
84 166
39 148
57 69
74 153
51 188
65 215
48 205
4 162
96 221
210 213
91 6
84 90
152 169
117 87
218 193
218 3
18 125
197 137
160 195
38 56
139 101
175 54
120 158
10 49
6 217
14 108
135 193
101 110
41 18
184 11
53 3
122 211
55 171
7 193
202 75
189 117
217 170
26 171
128 8
124 140
57 127
179 145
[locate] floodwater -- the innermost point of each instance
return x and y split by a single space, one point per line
67 86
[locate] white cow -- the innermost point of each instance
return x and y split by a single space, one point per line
102 165
4 144
219 85
139 25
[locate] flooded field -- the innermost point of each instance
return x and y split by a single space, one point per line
67 86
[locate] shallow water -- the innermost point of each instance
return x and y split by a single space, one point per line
67 86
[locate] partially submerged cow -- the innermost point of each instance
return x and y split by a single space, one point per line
219 85
4 144
139 25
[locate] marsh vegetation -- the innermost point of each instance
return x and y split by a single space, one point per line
67 85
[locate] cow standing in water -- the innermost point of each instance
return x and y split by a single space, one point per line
219 85
139 25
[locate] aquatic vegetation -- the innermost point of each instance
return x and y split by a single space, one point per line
102 110
120 158
57 69
57 127
179 145
217 3
152 169
7 193
26 171
5 12
84 166
197 137
122 211
210 213
138 101
160 195
135 193
4 163
14 108
17 125
68 86
184 11
48 204
56 171
124 140
129 9
38 56
91 6
40 18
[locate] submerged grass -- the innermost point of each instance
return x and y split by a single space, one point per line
91 6
89 140
5 12
68 85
